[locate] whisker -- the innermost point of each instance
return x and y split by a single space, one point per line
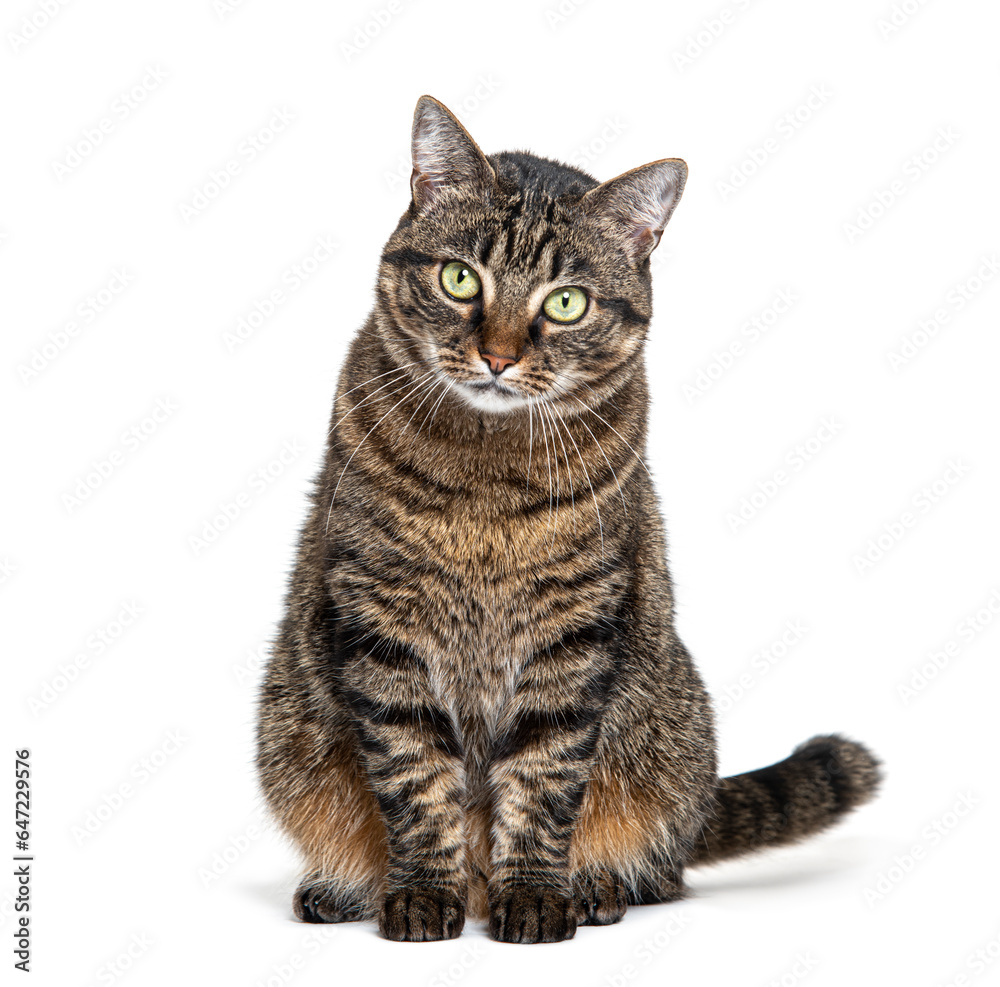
569 472
423 421
593 390
412 390
423 401
437 404
531 438
548 463
587 407
586 473
388 339
555 455
365 400
378 335
377 376
608 461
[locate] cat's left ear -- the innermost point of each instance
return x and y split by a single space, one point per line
445 157
634 207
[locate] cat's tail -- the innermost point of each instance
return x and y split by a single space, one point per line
823 780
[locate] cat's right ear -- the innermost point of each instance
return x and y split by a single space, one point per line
445 157
634 207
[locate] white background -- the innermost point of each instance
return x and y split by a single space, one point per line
147 829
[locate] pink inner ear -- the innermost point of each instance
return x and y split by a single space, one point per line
422 185
637 205
644 239
639 225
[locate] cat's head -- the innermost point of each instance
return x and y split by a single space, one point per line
516 278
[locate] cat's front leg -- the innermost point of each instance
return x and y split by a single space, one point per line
414 763
541 762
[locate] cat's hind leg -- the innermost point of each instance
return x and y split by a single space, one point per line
625 850
601 897
317 899
316 789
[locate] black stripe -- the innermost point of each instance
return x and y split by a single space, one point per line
584 750
508 249
415 497
596 574
386 445
597 633
576 265
427 302
372 745
395 658
485 247
556 264
414 304
406 255
394 714
414 847
840 781
774 802
535 725
535 330
543 241
409 790
524 847
623 308
562 809
399 813
433 723
388 575
514 208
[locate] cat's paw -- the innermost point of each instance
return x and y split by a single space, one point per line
423 915
316 903
528 913
600 899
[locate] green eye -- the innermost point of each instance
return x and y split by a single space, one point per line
460 281
565 304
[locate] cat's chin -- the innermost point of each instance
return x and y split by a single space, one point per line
493 399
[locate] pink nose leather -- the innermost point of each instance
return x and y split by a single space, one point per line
497 363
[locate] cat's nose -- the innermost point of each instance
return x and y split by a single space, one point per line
498 364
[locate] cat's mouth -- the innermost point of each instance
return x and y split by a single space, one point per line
492 385
491 395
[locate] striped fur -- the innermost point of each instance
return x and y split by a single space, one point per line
477 702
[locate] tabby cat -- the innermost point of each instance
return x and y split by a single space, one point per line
477 701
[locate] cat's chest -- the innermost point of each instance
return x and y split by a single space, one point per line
476 585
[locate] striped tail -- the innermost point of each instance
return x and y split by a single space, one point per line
823 780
